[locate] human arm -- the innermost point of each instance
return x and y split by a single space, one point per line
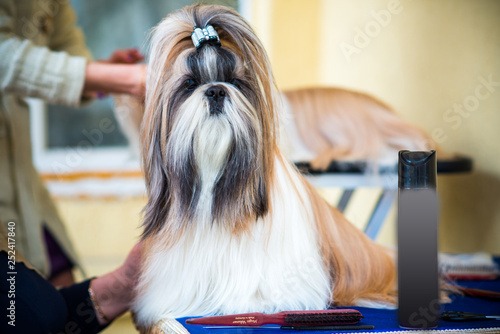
57 76
115 78
37 307
69 309
118 74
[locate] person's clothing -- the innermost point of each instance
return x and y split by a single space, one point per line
42 54
58 261
33 305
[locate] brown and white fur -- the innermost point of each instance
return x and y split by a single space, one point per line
230 225
322 124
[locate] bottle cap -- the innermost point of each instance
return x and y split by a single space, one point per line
417 169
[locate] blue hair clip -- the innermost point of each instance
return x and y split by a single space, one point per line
207 34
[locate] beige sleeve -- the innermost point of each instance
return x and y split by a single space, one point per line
34 71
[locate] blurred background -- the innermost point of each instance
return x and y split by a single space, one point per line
437 63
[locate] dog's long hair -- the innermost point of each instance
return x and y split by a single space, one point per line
175 125
230 225
332 123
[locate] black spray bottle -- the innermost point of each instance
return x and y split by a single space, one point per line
419 305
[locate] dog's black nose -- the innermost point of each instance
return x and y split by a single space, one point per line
216 93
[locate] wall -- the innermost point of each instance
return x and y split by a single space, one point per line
436 62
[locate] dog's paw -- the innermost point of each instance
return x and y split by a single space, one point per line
167 326
375 304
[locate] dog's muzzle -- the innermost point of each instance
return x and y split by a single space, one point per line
216 96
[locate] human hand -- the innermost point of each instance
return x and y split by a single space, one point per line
126 56
114 292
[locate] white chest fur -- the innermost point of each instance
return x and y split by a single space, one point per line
276 266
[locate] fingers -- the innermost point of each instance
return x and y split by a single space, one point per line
95 95
126 56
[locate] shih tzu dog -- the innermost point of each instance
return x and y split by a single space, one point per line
324 124
230 225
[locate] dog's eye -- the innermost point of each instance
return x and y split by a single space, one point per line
190 84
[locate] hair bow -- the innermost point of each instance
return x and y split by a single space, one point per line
207 34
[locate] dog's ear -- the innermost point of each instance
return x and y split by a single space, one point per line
157 185
168 40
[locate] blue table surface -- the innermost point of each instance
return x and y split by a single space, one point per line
387 320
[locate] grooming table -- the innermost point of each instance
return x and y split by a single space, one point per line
456 164
386 321
357 188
